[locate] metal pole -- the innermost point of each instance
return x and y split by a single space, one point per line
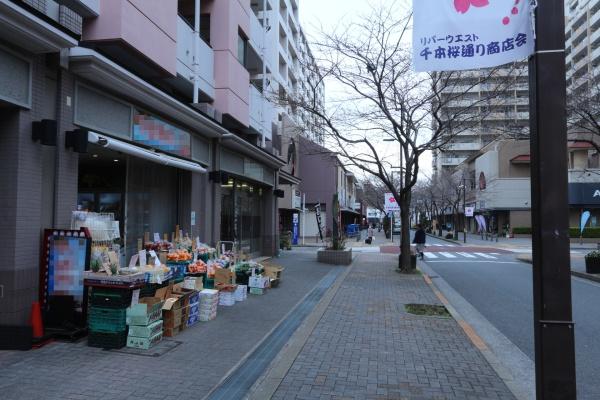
303 216
553 325
465 209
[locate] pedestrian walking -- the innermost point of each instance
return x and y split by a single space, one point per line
419 240
370 233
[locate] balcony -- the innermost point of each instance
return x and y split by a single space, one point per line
186 68
261 112
452 161
257 34
474 146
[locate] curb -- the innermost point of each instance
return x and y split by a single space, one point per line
578 274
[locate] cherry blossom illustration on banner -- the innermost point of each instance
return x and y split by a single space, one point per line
451 35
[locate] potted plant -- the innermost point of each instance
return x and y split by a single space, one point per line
592 262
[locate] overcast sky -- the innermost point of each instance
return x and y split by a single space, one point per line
327 14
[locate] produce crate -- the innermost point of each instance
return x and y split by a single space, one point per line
146 331
143 342
178 269
204 257
107 340
146 312
193 319
259 291
110 298
107 319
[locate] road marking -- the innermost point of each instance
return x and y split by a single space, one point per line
475 262
466 255
430 255
437 245
450 245
447 255
485 256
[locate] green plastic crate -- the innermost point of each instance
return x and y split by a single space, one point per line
107 340
259 291
144 343
107 319
146 331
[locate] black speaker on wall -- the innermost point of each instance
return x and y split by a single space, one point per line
279 193
44 131
77 140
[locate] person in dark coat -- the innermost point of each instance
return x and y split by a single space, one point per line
419 240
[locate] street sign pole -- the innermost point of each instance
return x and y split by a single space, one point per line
553 325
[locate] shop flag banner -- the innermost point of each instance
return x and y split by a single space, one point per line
585 216
469 211
390 203
452 35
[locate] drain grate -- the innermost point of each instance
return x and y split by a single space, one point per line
242 379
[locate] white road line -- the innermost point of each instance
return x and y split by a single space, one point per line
466 255
474 262
450 245
430 255
485 256
447 255
437 245
496 254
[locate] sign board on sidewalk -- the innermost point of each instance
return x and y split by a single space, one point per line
452 35
469 211
390 203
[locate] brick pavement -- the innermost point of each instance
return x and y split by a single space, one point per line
206 353
367 347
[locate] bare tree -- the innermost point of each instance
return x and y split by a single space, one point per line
583 111
373 194
380 98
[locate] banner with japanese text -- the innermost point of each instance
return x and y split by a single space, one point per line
451 35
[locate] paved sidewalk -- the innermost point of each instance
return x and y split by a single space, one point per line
201 357
366 346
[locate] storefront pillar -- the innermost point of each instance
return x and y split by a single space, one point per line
270 224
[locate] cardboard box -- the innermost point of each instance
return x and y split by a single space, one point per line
258 291
258 282
225 276
147 311
146 331
170 332
142 342
172 318
273 271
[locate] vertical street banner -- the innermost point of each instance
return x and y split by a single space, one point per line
295 221
452 35
390 203
318 215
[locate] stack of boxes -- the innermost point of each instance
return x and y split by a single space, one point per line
226 298
106 318
241 293
194 309
145 323
209 299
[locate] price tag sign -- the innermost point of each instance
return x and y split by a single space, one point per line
134 260
143 261
156 237
156 259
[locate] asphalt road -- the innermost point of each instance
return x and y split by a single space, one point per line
501 290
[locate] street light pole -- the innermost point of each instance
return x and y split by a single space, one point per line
552 310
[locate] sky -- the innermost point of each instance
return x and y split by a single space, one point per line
325 15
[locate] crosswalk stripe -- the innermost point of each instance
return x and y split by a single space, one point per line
450 245
467 255
495 254
447 255
430 255
437 245
485 255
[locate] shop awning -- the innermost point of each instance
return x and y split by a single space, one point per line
118 145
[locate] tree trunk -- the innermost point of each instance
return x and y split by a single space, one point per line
405 256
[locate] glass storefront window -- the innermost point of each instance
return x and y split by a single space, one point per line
241 215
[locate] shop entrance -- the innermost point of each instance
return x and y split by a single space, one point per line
242 215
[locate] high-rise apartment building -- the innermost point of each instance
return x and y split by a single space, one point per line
582 42
498 105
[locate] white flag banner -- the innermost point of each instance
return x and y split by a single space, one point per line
390 203
451 35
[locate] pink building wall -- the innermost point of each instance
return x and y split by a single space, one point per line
149 26
232 80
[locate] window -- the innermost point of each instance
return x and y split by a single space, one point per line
205 28
242 49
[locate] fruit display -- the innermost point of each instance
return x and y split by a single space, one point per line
197 267
179 256
162 245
